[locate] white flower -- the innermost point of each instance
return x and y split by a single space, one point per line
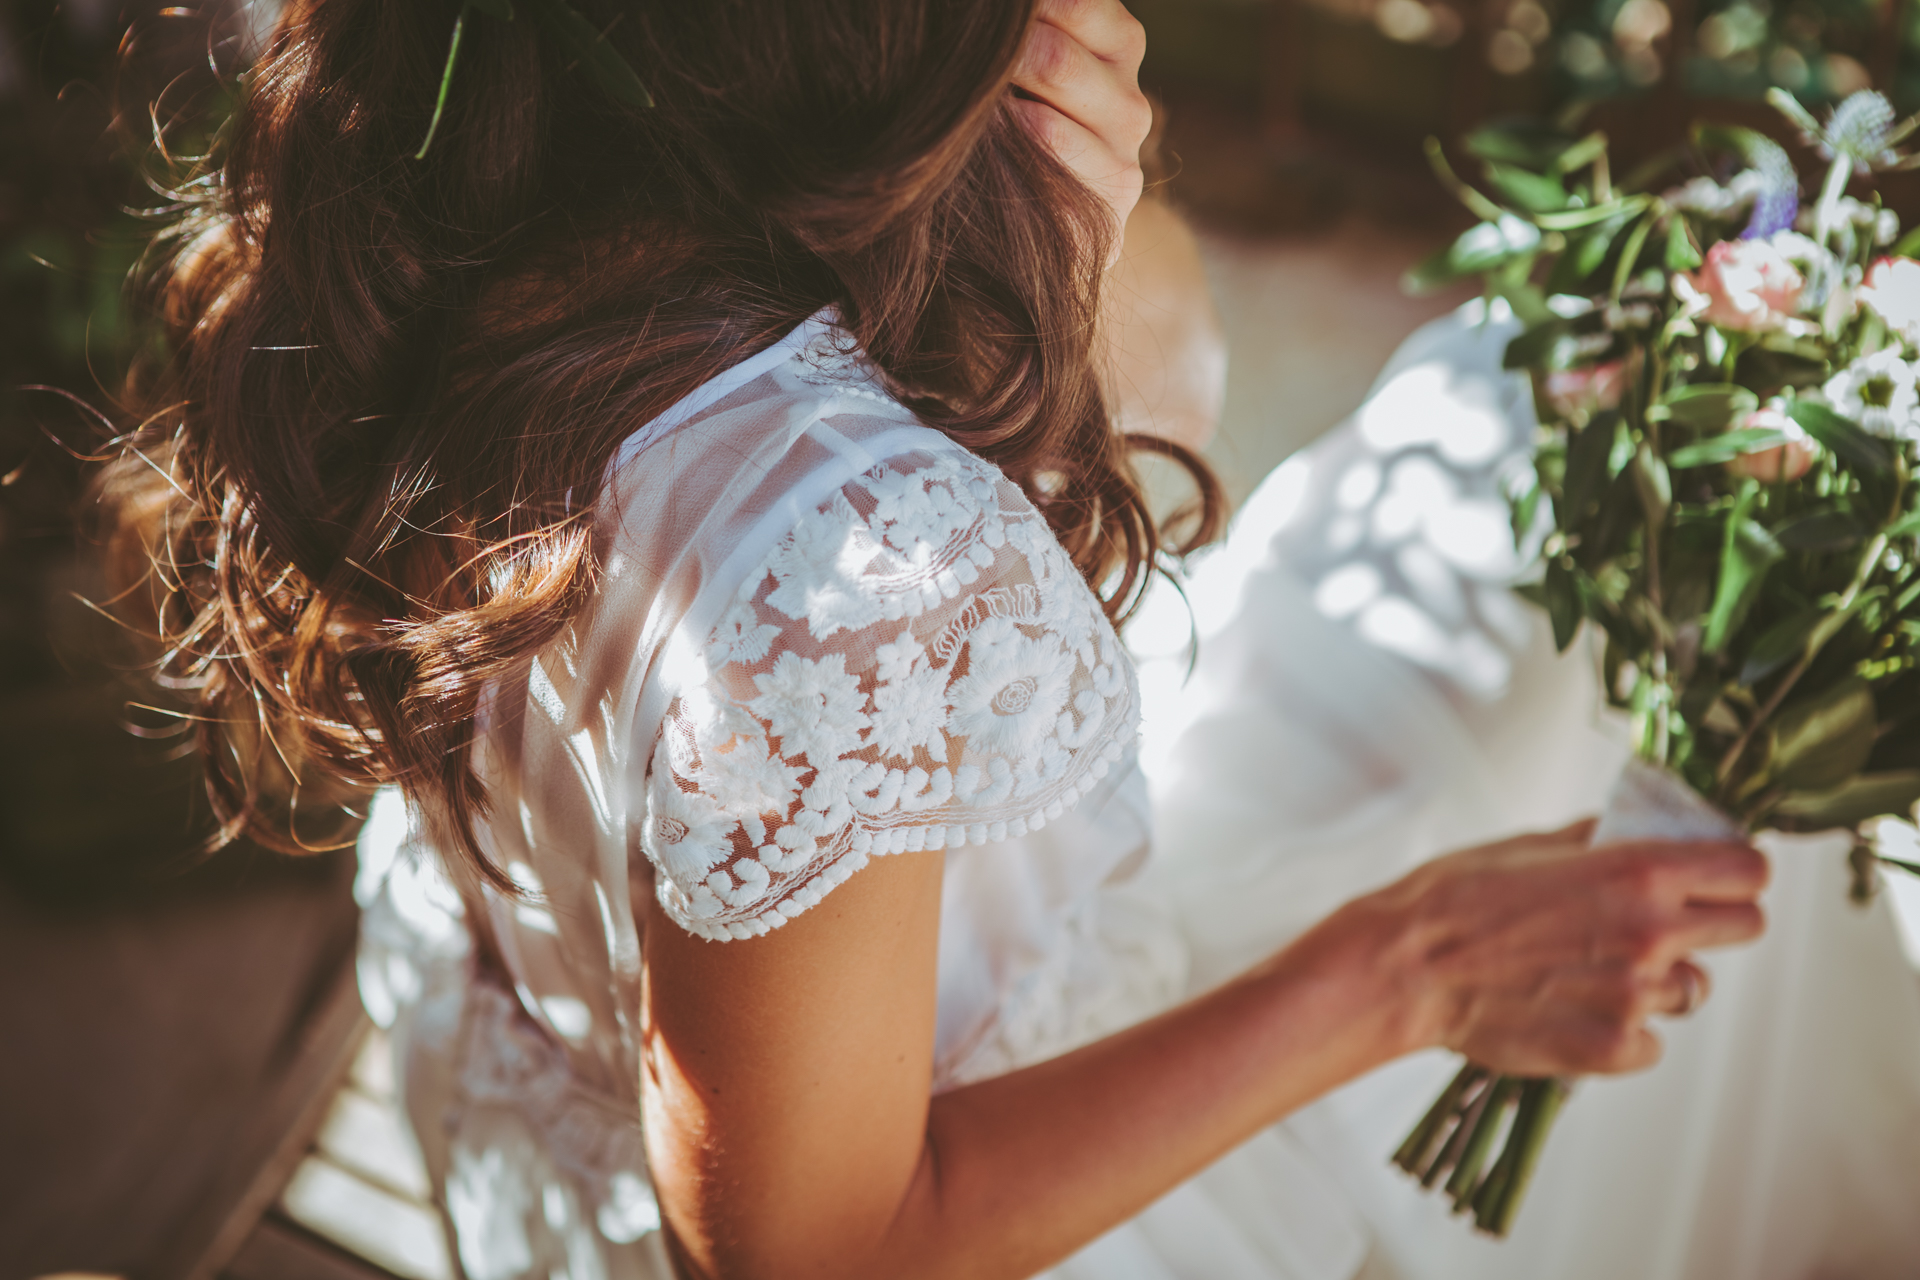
814 708
819 567
826 802
910 710
1878 392
741 636
918 508
1071 614
1044 768
1859 213
685 833
895 660
715 722
1803 251
1892 291
1014 690
749 777
1705 196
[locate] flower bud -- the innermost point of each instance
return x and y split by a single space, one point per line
1578 391
1788 461
1748 285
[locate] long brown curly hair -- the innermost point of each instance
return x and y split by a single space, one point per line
348 489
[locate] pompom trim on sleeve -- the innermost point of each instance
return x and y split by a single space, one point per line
916 665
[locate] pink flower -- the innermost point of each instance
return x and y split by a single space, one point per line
1787 461
1746 284
1892 290
1577 391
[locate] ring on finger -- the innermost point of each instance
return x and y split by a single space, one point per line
1693 988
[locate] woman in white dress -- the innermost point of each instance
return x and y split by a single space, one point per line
754 681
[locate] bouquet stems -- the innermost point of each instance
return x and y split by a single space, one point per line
1455 1137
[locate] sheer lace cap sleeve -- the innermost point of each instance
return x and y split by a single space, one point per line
916 664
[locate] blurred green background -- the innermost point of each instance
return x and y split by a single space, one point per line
1283 117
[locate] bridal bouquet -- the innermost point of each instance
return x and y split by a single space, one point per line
1728 382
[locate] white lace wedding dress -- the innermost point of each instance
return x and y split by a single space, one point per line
827 634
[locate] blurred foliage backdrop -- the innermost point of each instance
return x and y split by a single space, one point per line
87 803
1281 110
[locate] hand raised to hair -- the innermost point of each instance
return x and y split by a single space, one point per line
1080 71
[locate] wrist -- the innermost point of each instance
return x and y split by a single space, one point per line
1375 950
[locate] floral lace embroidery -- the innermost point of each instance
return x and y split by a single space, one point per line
917 664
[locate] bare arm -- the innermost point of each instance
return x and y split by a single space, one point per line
786 1090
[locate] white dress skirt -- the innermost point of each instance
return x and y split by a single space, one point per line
829 634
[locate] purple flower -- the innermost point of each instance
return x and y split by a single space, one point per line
1778 200
1774 210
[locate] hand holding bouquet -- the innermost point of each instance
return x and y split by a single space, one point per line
1729 393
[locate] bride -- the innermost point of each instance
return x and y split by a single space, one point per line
685 476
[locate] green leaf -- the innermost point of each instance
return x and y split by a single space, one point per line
1849 443
1582 153
1654 483
1821 741
1510 281
1587 472
1746 553
587 45
1725 447
1630 257
1574 219
1435 271
1562 598
1771 373
446 82
1905 527
1706 406
1789 106
1909 246
1582 257
1870 795
1526 508
1596 603
1911 868
1681 255
1533 192
1820 531
1537 345
1779 644
1478 249
1524 141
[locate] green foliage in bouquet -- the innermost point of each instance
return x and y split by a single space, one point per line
1730 407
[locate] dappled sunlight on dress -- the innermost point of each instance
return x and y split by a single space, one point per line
1367 695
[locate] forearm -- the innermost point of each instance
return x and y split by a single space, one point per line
1021 1170
790 1133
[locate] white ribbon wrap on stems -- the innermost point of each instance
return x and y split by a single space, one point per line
1651 803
